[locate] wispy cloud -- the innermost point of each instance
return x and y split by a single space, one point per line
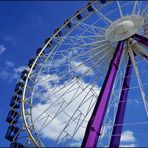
7 38
4 74
17 71
9 64
11 73
2 49
81 68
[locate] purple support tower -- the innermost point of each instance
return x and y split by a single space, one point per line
141 39
95 123
117 129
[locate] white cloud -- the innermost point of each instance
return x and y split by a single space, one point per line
81 68
64 112
44 82
9 64
128 139
11 74
2 49
128 136
19 69
7 38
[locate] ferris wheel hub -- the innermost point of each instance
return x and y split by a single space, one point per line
124 28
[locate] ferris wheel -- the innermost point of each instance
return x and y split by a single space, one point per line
82 86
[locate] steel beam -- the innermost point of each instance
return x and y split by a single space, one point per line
141 39
144 55
117 128
94 126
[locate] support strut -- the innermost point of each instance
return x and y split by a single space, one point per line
117 128
141 39
144 55
93 129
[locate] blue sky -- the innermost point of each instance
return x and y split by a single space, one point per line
23 28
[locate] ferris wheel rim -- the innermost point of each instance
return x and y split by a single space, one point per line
25 86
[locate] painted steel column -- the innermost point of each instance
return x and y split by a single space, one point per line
117 129
95 123
141 39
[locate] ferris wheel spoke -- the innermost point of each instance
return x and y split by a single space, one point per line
129 134
57 99
94 66
59 110
103 17
79 24
100 49
77 95
83 41
119 77
59 42
84 36
97 63
120 9
23 137
112 104
88 70
135 87
93 27
69 122
134 7
130 123
144 10
91 32
82 54
77 46
78 127
143 55
139 80
37 121
139 7
52 92
80 104
87 60
82 75
141 49
27 142
90 27
57 114
70 85
70 117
